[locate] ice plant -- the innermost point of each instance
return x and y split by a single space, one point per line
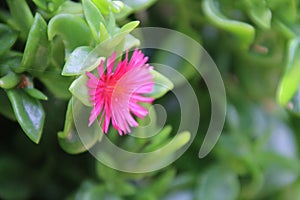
117 92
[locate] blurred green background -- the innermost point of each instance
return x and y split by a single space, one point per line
255 45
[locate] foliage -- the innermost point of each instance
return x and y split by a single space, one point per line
48 45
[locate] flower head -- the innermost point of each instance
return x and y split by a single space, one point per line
118 90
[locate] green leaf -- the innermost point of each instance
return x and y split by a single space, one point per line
10 61
73 30
35 93
162 85
127 28
37 49
22 16
284 28
130 42
218 183
7 38
291 79
10 80
158 140
29 113
70 7
111 26
57 84
107 47
75 62
79 90
165 153
42 4
103 5
47 5
93 17
125 11
117 6
57 54
104 35
259 13
244 32
77 137
285 10
139 4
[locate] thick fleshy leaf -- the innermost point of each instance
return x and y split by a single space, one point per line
291 79
10 61
162 85
77 137
70 7
80 90
127 28
104 35
139 4
49 6
259 13
10 80
218 183
130 42
57 54
37 49
159 139
22 16
75 62
111 25
284 28
35 93
106 6
93 17
107 47
68 138
125 11
285 10
167 152
7 38
73 30
244 32
57 84
29 113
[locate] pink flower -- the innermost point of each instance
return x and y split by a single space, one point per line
118 90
